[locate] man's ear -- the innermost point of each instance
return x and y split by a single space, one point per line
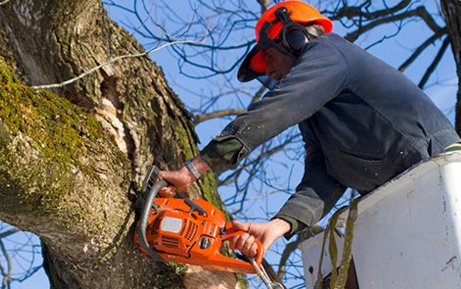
314 31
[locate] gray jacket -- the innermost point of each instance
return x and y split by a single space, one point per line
362 122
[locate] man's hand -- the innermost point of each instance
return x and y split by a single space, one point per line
181 179
266 233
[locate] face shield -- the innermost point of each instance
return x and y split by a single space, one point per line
268 82
251 67
254 65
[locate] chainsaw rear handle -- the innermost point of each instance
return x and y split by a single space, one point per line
145 217
259 250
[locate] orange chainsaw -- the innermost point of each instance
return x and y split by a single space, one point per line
186 231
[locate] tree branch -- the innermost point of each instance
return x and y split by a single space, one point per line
421 48
8 233
350 12
434 63
420 11
306 234
220 113
258 159
259 94
198 118
6 275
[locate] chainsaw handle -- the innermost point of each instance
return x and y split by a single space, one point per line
235 232
145 217
195 207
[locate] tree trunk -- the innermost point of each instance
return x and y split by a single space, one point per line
452 12
67 157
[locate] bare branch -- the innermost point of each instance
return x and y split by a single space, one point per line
259 94
421 48
306 234
263 155
426 16
420 11
8 233
216 114
350 12
434 63
201 116
6 275
69 81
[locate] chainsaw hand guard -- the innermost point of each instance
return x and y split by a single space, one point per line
148 202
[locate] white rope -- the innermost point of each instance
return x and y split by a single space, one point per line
69 81
4 2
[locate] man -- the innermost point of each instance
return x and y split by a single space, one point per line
362 121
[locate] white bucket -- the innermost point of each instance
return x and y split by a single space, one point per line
408 232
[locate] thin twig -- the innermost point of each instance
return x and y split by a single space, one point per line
352 11
216 114
8 233
421 48
6 276
290 247
420 12
258 94
434 63
69 81
259 159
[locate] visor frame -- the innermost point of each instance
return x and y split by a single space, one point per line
246 72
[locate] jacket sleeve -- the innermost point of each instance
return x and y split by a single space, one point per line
317 77
317 193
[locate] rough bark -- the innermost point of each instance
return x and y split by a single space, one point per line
67 157
452 12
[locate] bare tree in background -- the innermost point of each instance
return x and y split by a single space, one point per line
230 26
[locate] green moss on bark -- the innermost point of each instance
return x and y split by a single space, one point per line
43 139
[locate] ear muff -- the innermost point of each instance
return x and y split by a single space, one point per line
295 39
293 35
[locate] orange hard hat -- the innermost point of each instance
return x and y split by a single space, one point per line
299 12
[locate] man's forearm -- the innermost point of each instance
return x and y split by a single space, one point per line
222 154
281 226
